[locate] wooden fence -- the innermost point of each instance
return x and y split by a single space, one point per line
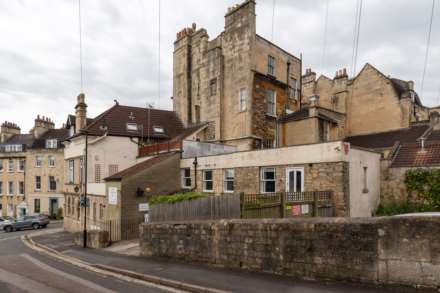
287 205
212 207
247 206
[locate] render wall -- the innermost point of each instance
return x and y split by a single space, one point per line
299 132
368 250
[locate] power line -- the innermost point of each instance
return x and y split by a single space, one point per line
158 61
273 19
428 44
356 36
324 45
80 46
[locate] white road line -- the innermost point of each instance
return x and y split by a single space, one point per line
24 283
81 281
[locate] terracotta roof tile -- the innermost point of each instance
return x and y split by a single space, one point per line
411 155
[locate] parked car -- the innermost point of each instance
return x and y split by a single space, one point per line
4 222
27 222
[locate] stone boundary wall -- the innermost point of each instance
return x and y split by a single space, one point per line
387 250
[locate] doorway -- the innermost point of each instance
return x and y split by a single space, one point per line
295 179
53 207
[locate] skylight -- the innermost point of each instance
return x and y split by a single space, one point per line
132 127
158 129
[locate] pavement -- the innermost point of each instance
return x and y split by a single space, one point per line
203 278
23 269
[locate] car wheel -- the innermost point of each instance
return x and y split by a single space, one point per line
8 229
35 226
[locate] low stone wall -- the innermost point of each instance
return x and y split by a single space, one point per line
389 250
95 239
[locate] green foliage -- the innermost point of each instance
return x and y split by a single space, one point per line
404 208
176 197
59 214
426 183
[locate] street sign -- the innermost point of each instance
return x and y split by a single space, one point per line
112 195
144 207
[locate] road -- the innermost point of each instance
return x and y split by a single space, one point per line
24 270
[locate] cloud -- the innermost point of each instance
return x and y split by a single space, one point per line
39 52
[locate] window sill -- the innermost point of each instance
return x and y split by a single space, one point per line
208 191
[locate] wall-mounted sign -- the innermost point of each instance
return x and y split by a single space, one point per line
144 207
112 195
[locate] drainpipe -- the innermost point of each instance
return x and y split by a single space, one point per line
195 163
300 79
85 190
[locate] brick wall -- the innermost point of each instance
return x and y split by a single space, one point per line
369 250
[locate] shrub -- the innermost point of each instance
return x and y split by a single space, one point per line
176 197
404 208
425 183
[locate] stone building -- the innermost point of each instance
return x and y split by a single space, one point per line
370 102
238 82
31 169
13 146
352 174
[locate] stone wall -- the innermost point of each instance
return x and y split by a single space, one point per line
389 250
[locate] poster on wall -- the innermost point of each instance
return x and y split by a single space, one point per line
112 195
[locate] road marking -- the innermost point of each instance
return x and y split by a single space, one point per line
24 283
83 282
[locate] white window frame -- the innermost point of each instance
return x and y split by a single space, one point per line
206 181
52 143
10 187
132 126
293 89
36 181
51 161
19 165
242 99
263 180
71 171
274 106
185 178
294 169
227 179
48 183
18 188
271 65
158 129
38 161
10 165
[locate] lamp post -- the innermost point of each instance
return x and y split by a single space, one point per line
85 189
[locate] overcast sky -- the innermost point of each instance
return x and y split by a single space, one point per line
39 47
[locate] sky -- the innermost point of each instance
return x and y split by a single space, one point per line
40 64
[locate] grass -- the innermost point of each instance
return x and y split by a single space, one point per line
404 208
176 197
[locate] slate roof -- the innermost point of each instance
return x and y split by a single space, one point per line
26 139
116 118
139 167
412 155
59 134
298 115
71 120
389 138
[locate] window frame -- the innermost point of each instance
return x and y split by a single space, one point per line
19 165
227 180
10 166
37 183
20 185
98 173
242 99
206 181
51 161
263 181
184 178
273 103
38 161
293 89
271 65
51 143
49 187
10 188
130 126
295 184
71 171
39 206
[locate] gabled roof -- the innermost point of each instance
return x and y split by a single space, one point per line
114 122
59 134
139 167
71 120
412 155
389 138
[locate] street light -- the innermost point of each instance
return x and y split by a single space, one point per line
85 189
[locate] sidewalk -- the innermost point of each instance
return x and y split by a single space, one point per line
216 278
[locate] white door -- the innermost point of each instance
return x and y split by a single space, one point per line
295 179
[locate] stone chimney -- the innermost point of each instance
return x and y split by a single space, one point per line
434 120
7 130
41 125
410 85
342 73
313 106
80 113
309 76
242 16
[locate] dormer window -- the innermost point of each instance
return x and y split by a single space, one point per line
158 129
132 127
51 143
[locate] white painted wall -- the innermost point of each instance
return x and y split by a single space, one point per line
303 154
363 204
105 151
